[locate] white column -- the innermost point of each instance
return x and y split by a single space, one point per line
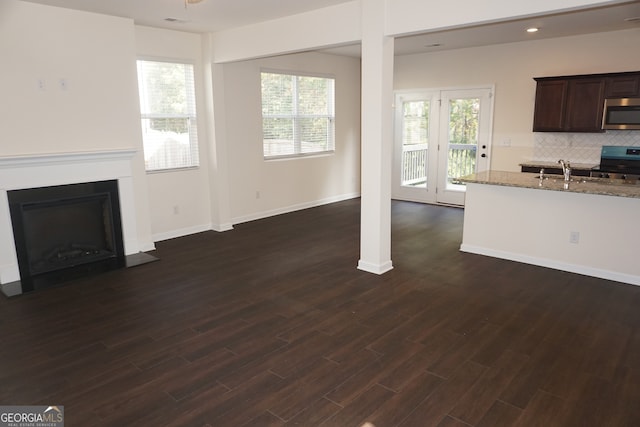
377 139
216 133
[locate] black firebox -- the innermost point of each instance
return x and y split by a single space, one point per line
66 231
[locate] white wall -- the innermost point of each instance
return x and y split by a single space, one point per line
512 67
93 54
285 185
179 200
96 106
330 26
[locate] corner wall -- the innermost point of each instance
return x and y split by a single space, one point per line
260 188
179 199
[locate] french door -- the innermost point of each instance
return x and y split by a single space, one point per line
440 135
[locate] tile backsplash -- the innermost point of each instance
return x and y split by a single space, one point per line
579 147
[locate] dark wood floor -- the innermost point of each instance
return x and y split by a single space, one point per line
271 324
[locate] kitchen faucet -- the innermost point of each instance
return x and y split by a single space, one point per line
566 169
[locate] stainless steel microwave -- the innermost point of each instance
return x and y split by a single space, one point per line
621 113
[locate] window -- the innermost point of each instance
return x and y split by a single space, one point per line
168 114
297 115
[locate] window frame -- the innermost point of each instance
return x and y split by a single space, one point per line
192 118
297 143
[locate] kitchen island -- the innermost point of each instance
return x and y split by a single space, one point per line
588 226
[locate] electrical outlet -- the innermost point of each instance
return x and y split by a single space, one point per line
257 194
574 237
176 210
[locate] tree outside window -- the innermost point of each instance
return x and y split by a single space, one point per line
297 114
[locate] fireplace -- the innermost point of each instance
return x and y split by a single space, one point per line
66 231
35 171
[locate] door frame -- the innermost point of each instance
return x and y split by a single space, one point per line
433 193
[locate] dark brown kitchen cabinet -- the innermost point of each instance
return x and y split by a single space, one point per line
572 104
585 102
551 103
622 86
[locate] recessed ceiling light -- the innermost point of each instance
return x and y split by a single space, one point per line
532 30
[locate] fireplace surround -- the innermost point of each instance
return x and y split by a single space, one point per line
62 169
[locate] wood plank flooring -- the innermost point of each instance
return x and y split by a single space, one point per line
271 324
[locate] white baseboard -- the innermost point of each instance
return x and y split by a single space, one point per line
222 227
133 246
11 289
158 237
378 269
549 263
147 246
293 208
181 232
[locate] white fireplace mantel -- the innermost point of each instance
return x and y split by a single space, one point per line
43 170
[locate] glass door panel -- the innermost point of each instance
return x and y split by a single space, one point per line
415 143
415 156
464 140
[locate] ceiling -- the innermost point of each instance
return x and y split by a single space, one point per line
206 16
595 20
217 15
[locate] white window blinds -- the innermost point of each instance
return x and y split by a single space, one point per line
168 114
298 114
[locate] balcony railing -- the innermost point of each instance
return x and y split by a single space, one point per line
462 160
414 164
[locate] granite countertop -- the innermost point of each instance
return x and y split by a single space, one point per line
541 164
603 186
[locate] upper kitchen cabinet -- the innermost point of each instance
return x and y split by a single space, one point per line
551 104
585 103
575 103
569 104
625 85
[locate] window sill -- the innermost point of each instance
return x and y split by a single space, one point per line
299 156
180 169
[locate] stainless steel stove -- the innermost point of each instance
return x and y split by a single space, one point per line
618 163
